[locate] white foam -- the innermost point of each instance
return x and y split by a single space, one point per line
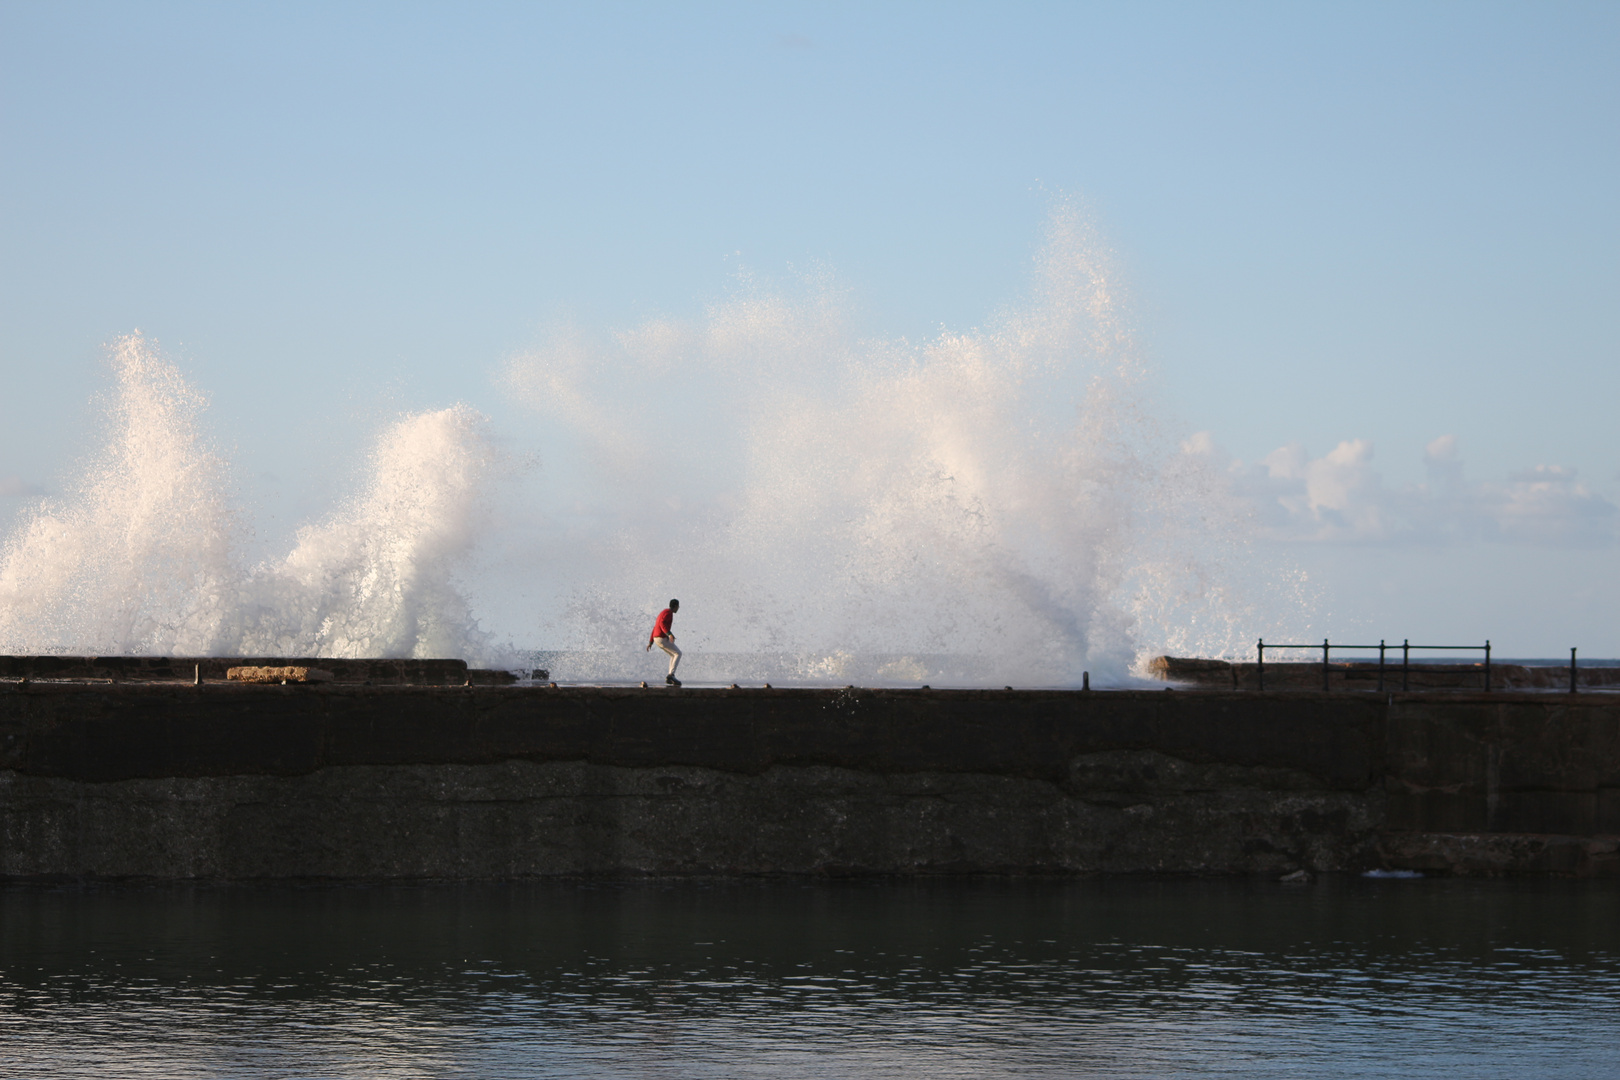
994 506
1001 498
142 555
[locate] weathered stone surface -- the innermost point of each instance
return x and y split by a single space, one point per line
1365 675
278 675
120 669
1193 671
109 733
523 819
250 782
1523 764
1502 853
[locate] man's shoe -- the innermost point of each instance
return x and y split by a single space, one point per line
672 680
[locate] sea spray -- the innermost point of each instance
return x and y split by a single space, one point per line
377 577
995 505
992 506
142 554
136 555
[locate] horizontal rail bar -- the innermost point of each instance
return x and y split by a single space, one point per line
1336 646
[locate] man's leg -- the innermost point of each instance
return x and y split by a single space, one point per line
674 653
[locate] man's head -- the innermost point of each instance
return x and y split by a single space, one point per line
674 605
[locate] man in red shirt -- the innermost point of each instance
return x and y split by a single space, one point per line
663 636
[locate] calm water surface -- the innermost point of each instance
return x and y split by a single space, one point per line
1154 978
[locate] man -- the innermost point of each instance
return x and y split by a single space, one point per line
663 636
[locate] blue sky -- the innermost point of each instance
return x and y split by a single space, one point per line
1386 223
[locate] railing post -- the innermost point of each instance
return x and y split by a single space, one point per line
1487 665
1406 663
1572 683
1380 665
1260 668
1326 686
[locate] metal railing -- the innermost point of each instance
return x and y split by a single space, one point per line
1407 648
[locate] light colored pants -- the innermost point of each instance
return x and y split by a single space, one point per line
669 647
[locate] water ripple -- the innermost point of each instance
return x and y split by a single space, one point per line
1117 979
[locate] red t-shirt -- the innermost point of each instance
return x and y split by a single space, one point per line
665 623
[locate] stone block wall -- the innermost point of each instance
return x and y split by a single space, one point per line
334 781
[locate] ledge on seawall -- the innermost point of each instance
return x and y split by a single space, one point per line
1197 673
343 781
368 672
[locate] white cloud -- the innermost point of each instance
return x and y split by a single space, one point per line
1549 504
1341 498
1200 444
12 484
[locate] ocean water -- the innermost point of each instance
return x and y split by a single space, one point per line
1108 978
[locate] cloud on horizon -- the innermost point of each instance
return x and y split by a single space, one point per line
1340 498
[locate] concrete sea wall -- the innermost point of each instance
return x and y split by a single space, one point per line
1365 675
121 669
346 781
